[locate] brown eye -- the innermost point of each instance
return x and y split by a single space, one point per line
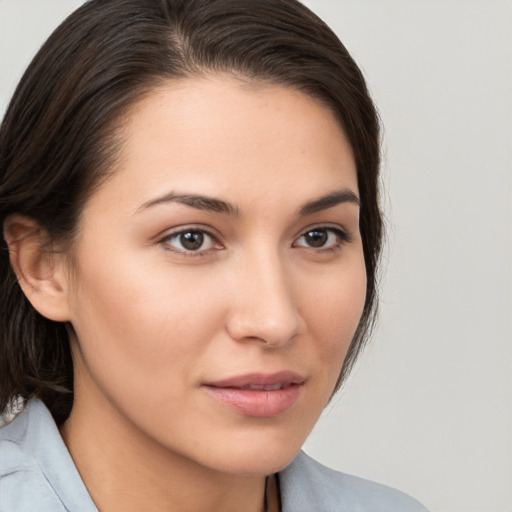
322 238
191 240
316 238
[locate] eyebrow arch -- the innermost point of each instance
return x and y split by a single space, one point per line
195 201
330 200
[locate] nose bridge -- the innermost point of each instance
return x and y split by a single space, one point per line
264 306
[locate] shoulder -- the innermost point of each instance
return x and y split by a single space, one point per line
307 485
14 446
36 470
22 483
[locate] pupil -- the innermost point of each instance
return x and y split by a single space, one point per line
316 238
192 240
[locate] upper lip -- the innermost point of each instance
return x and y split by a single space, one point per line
281 379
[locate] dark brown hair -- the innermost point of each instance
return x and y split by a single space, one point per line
58 138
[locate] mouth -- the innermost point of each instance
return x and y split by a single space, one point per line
258 395
256 387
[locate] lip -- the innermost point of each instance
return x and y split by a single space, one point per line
236 392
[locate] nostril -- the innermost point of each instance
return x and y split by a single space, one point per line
272 327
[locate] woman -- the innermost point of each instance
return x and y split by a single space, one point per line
191 222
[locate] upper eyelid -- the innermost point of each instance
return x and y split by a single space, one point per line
337 231
328 227
170 232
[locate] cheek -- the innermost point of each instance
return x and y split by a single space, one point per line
333 313
134 318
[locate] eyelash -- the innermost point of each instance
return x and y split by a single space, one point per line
342 237
165 241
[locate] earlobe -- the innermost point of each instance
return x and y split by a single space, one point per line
40 271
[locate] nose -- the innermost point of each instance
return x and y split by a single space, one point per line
263 307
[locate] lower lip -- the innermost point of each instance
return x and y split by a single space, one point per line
257 403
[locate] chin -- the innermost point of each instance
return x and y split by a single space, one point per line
256 464
256 455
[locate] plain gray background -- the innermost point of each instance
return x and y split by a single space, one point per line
429 407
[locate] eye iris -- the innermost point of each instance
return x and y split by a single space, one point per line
192 240
316 238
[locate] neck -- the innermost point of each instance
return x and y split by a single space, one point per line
125 471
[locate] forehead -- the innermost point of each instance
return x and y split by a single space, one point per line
219 135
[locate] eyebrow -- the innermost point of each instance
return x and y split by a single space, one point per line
212 204
329 201
195 201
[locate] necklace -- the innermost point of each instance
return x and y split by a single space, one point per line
265 496
273 491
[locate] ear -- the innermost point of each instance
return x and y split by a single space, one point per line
41 272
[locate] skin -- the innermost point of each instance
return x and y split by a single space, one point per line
153 322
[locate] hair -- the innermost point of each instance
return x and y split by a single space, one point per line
60 135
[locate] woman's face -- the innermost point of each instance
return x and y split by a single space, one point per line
218 275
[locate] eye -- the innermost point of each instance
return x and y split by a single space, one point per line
190 240
322 238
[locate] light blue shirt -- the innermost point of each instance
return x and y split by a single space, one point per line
37 474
